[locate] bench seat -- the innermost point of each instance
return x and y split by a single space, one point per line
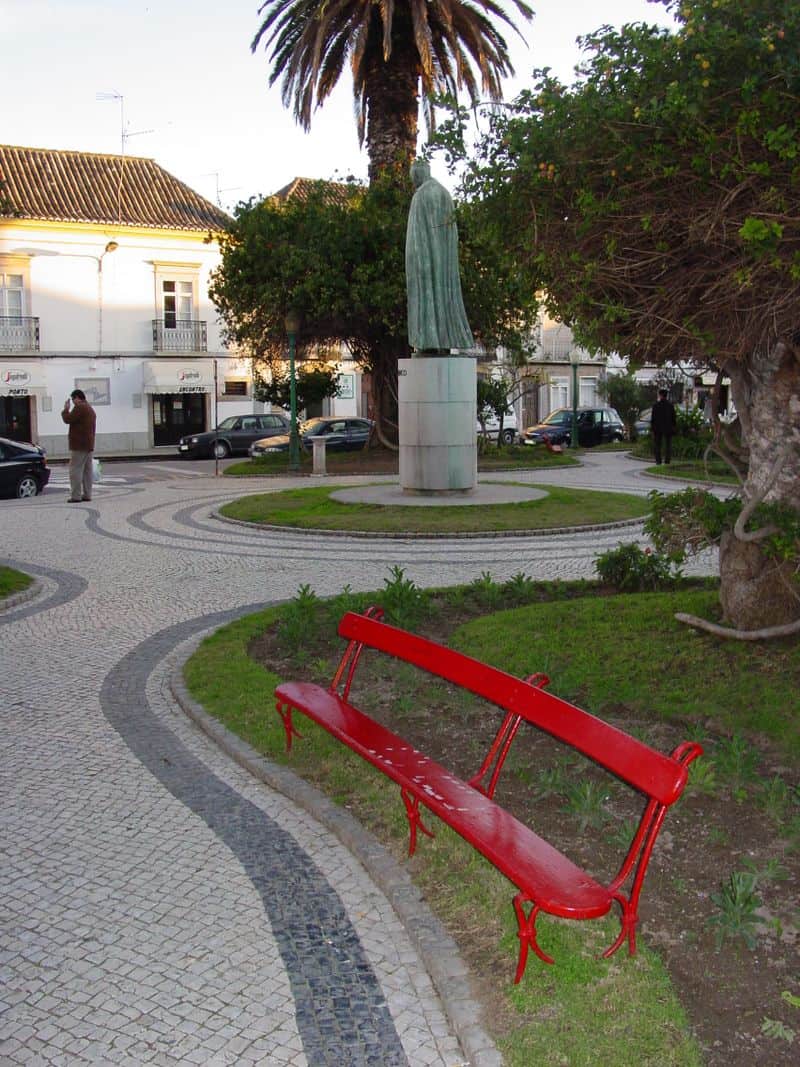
546 879
540 871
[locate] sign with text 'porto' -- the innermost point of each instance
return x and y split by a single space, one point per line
15 381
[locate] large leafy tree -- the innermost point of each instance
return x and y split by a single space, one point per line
656 200
395 49
337 260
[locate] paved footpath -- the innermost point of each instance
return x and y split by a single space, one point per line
160 904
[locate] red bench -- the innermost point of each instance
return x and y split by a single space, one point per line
546 879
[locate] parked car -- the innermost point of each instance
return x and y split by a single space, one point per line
342 435
510 430
642 424
595 426
23 469
234 434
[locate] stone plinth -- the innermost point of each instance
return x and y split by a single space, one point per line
438 412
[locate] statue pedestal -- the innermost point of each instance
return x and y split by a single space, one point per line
438 412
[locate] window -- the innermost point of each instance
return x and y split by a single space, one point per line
177 302
12 295
588 392
232 388
559 393
97 390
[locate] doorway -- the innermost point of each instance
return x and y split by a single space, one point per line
176 415
15 418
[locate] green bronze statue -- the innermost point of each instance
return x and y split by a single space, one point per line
437 321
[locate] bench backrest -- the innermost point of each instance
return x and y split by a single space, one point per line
659 776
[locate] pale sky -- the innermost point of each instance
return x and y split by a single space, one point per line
196 99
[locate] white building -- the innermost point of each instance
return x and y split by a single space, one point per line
104 274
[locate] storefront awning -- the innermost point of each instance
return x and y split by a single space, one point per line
21 379
178 376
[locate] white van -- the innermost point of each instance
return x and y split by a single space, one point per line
510 428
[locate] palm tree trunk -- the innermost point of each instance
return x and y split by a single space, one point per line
391 88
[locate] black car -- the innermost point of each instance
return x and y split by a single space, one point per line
23 469
341 435
596 426
234 434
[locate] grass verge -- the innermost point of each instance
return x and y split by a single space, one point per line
598 651
313 508
12 581
382 461
716 473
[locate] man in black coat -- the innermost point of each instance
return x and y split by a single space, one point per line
662 423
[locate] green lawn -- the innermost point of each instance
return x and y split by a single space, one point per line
313 508
602 652
12 581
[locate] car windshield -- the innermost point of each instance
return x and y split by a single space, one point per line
312 425
562 415
229 423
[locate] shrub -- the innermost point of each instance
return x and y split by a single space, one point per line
631 569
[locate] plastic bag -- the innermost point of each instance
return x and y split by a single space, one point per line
97 470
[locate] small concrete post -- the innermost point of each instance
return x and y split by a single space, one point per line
318 444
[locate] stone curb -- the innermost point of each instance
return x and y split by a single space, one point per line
380 535
438 951
31 593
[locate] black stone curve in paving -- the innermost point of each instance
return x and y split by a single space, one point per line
341 1012
281 545
68 587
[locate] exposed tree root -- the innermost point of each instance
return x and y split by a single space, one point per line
785 630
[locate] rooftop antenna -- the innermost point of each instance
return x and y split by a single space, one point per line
228 189
114 95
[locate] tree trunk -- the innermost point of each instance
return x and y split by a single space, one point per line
756 591
393 105
383 391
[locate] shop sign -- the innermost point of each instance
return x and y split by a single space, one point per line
15 382
190 381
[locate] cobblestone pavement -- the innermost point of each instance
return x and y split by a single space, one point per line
160 904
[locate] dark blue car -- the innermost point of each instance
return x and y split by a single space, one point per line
23 469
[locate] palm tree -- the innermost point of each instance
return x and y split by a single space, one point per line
396 49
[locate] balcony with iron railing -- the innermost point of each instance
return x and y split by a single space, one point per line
179 335
19 333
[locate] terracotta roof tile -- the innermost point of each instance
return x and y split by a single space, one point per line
43 183
300 189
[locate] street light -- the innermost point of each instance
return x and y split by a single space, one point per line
292 323
575 359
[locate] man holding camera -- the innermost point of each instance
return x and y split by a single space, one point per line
81 420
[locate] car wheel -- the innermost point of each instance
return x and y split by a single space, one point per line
27 486
220 450
508 437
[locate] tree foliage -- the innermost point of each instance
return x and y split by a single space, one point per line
656 199
627 396
656 202
313 384
393 51
338 260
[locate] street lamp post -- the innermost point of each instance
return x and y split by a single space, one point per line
292 323
574 358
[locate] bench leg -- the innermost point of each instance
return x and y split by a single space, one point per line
414 820
628 921
285 712
526 933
